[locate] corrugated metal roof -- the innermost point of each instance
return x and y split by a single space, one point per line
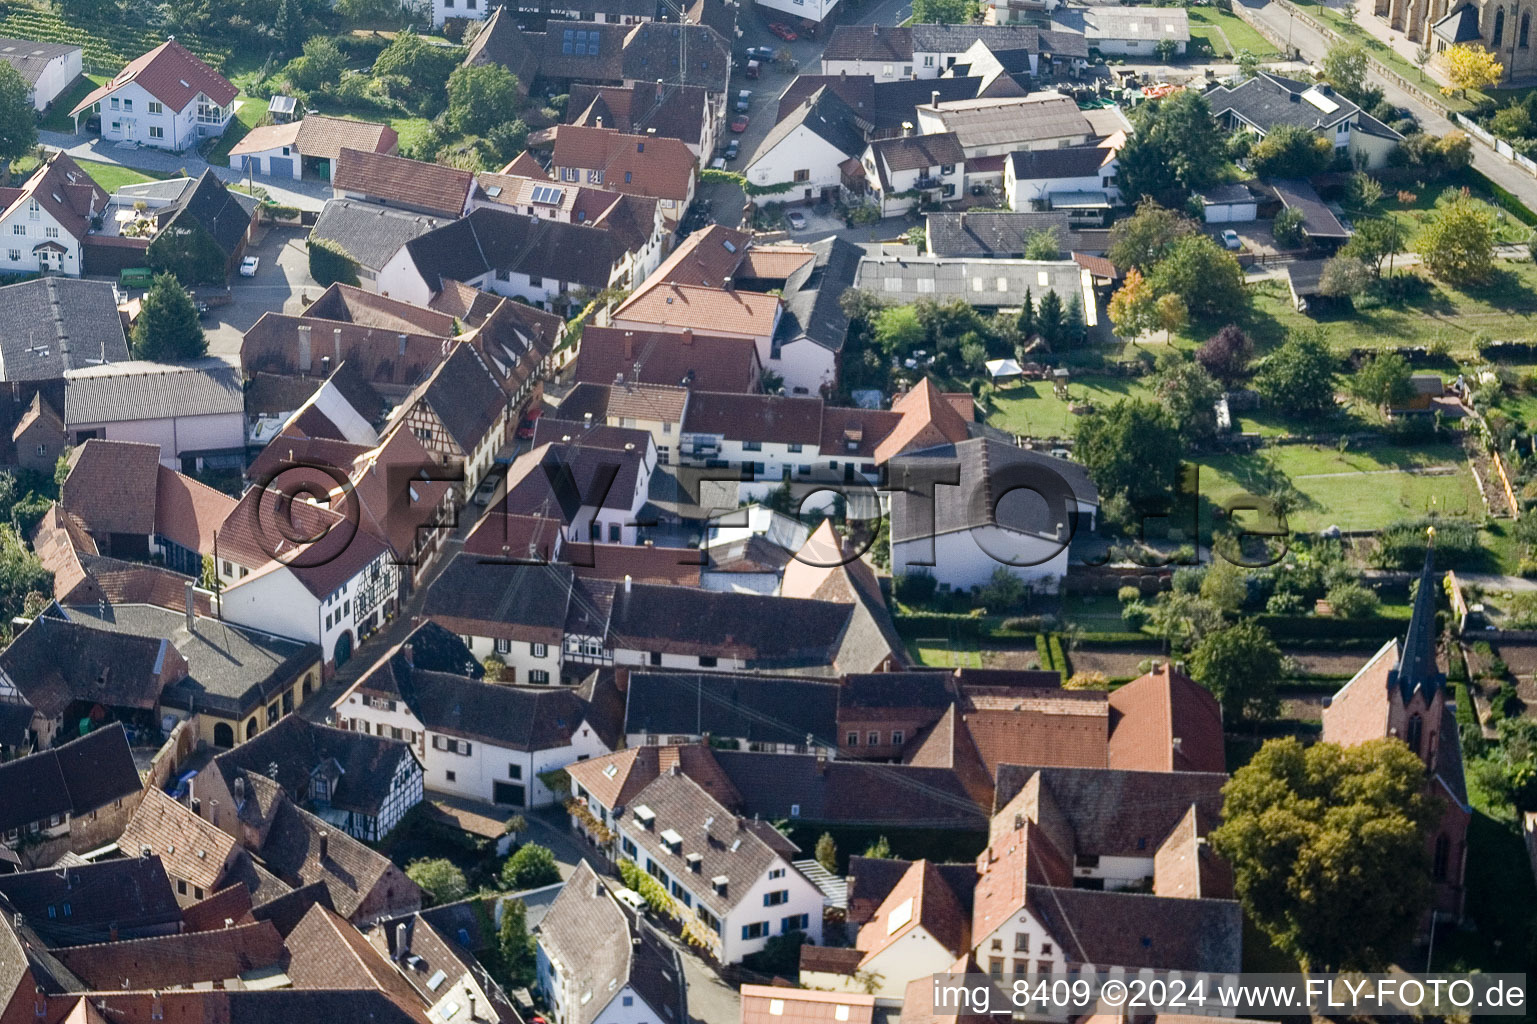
142 390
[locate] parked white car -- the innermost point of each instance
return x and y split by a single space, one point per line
248 266
1231 240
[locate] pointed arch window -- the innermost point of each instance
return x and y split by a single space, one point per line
1499 29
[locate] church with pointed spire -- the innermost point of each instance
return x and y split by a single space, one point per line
1401 692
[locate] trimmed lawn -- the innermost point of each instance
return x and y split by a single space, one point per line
1359 489
962 655
1204 20
111 177
248 115
58 119
1505 310
1030 408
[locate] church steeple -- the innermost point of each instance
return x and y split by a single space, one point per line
1416 669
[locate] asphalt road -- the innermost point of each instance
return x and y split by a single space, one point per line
1313 46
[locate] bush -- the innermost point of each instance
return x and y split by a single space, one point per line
438 879
330 264
530 867
1353 601
1126 595
915 588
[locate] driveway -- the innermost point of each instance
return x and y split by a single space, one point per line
303 195
282 285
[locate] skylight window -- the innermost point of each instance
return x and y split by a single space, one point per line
776 1007
611 771
899 916
841 1012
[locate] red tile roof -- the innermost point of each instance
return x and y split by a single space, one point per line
704 309
414 183
799 1006
321 136
1165 721
171 74
641 165
927 420
189 512
925 900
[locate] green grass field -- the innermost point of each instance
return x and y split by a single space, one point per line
939 654
1030 408
1212 25
58 119
1359 489
1506 310
112 177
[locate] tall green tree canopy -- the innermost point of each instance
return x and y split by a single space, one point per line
1205 275
1328 849
1383 380
1190 395
1241 666
1131 449
168 328
1177 147
944 12
18 121
1290 151
1457 244
438 878
1298 377
481 96
1143 239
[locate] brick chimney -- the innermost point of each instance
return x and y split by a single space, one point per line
688 335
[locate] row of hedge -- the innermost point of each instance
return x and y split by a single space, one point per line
1286 627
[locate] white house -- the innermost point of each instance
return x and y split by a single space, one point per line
476 739
195 411
1126 31
811 10
991 126
1038 505
807 148
167 99
1031 177
335 590
496 250
1257 105
44 223
904 172
731 878
47 68
598 964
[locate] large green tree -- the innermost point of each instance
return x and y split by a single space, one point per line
1345 67
944 12
321 64
530 867
1176 147
1375 239
1131 449
1298 377
515 946
438 878
18 121
167 328
1328 849
1241 666
1290 151
1205 275
190 253
1457 244
1190 395
1383 380
1144 238
21 573
481 96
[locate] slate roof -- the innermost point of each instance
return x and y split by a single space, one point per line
1267 100
761 709
206 201
894 102
1460 26
918 152
823 114
989 467
1135 930
31 59
368 232
411 183
349 872
598 948
782 419
171 74
838 791
511 717
1012 120
580 50
493 239
765 631
72 779
297 747
726 844
1005 234
869 43
1114 813
55 662
464 397
1070 162
1317 219
933 38
812 308
131 894
142 390
667 357
675 111
55 324
651 53
111 486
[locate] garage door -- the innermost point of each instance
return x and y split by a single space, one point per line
280 166
507 793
